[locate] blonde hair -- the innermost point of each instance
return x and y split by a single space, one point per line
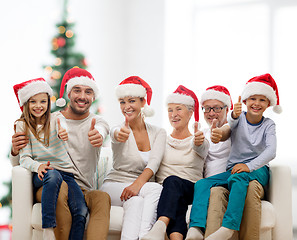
30 123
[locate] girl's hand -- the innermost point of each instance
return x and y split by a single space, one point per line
237 108
123 134
62 133
43 169
198 135
130 191
240 167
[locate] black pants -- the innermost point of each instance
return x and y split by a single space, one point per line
176 195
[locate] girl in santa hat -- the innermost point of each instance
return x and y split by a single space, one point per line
138 148
46 156
253 140
181 166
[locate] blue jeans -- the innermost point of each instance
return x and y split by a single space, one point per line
51 183
237 184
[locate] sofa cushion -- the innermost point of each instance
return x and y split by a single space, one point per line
36 219
116 218
268 217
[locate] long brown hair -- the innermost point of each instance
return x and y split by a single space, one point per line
31 124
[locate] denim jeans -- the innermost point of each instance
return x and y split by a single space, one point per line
51 186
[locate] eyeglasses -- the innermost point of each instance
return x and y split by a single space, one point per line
215 109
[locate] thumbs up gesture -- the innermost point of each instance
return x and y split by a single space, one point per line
95 137
198 135
216 133
123 134
62 133
237 108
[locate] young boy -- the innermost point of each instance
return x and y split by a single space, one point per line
253 147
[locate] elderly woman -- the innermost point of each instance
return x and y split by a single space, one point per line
181 167
138 149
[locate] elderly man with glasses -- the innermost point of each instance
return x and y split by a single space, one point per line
216 103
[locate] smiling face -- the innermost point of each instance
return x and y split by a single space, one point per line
81 98
179 115
256 105
38 105
221 116
131 107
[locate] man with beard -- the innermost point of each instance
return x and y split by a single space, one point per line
86 132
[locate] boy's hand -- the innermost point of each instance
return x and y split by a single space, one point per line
95 137
62 133
43 169
19 140
240 167
123 134
237 108
216 133
198 135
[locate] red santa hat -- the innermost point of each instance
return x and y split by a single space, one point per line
263 85
134 86
183 95
27 89
76 76
219 93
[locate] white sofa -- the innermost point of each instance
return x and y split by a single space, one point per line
276 222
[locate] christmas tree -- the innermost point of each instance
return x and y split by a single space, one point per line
65 57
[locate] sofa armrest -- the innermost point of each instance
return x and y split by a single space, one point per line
280 195
22 202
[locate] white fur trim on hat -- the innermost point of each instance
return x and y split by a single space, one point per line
131 90
180 99
216 95
259 88
85 81
32 89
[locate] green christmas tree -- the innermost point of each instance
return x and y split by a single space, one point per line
66 57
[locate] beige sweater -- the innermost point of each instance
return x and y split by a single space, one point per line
183 159
127 162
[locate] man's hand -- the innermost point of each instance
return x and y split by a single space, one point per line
198 135
19 140
123 134
95 137
216 133
237 108
62 133
43 169
240 167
